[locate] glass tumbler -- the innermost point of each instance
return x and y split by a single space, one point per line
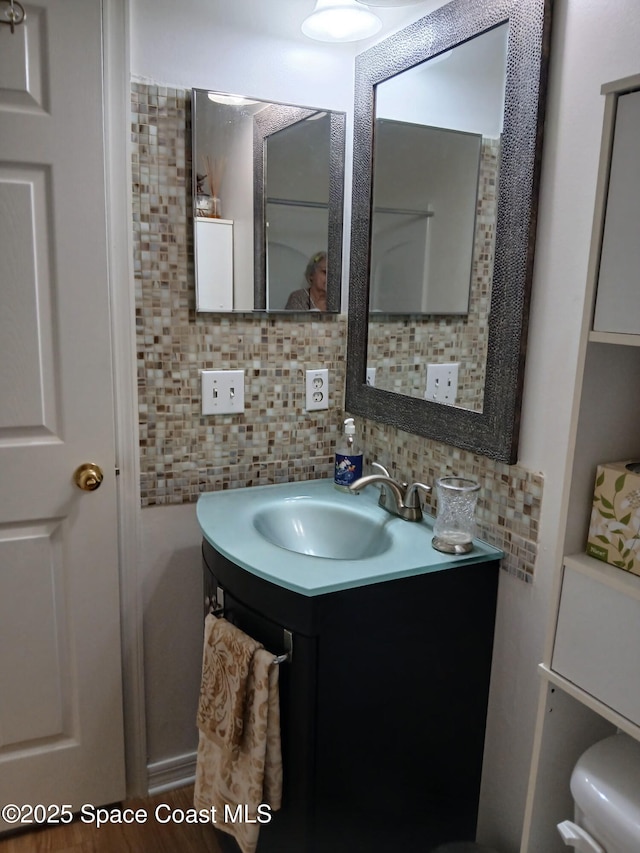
455 525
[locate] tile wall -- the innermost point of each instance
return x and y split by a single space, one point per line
275 440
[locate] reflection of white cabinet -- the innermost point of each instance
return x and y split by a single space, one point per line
214 264
591 672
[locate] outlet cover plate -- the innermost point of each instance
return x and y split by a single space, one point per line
442 383
317 389
222 392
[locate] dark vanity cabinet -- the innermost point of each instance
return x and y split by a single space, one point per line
383 705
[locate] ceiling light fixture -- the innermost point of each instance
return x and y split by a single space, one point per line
340 21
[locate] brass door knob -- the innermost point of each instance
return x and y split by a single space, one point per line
88 476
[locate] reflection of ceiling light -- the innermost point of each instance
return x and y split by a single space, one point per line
340 20
316 116
230 100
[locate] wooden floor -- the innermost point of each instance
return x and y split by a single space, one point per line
150 837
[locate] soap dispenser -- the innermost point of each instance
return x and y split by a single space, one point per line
348 466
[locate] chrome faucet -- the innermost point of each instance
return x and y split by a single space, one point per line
397 498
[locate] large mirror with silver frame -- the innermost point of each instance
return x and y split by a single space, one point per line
442 246
268 181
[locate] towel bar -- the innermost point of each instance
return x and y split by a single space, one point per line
217 609
217 603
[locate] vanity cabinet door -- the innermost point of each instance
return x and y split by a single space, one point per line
403 680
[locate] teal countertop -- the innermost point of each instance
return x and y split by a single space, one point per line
227 521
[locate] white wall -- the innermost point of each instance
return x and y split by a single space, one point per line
182 44
172 599
594 41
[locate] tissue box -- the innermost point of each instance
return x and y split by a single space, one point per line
614 530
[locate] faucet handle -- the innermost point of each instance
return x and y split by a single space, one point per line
382 500
412 498
381 468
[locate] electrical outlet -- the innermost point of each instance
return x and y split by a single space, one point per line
442 382
371 376
222 392
317 389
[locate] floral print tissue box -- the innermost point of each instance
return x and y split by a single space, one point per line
614 530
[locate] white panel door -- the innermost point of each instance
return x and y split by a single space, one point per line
61 730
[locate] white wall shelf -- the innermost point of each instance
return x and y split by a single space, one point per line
590 675
606 574
593 703
614 338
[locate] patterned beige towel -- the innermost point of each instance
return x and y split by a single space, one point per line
237 781
226 658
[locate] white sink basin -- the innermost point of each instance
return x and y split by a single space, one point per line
310 526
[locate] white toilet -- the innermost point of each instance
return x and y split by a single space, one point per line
605 785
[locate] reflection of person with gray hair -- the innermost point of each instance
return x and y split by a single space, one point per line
313 297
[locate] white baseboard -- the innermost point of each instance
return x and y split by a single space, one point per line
171 773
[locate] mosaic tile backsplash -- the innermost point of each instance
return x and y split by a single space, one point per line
275 439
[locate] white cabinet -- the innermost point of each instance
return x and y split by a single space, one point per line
590 678
598 634
214 264
618 297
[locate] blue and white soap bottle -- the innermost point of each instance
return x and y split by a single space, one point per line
348 467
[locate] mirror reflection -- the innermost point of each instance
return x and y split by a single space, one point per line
437 137
267 190
297 215
424 208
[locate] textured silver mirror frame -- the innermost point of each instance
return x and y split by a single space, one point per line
494 432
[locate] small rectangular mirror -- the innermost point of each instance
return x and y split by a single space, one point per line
268 183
